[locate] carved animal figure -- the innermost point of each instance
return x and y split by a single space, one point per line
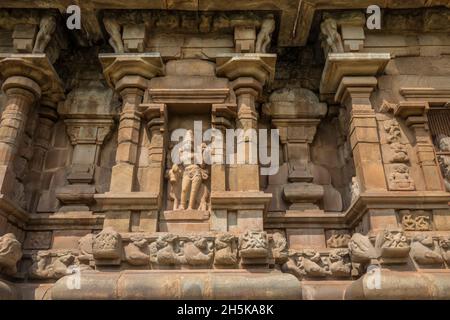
114 31
313 264
136 252
340 265
265 35
197 251
49 265
423 251
361 249
226 249
162 251
330 30
10 253
47 27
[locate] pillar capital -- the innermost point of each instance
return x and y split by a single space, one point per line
131 70
258 66
341 65
32 72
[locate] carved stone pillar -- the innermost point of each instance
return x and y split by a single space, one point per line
415 114
128 209
248 73
128 75
354 93
28 78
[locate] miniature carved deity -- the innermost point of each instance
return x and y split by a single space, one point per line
10 253
113 29
333 38
265 34
47 27
399 178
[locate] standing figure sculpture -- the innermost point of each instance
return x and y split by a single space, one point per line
187 179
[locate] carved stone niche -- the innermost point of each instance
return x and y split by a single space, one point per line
296 112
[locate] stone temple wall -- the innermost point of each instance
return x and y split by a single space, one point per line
91 192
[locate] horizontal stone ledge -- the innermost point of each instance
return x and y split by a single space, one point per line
127 201
8 291
154 284
391 285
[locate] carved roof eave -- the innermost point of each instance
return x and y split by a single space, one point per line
295 24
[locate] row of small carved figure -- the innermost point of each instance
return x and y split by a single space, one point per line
107 248
391 247
227 250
